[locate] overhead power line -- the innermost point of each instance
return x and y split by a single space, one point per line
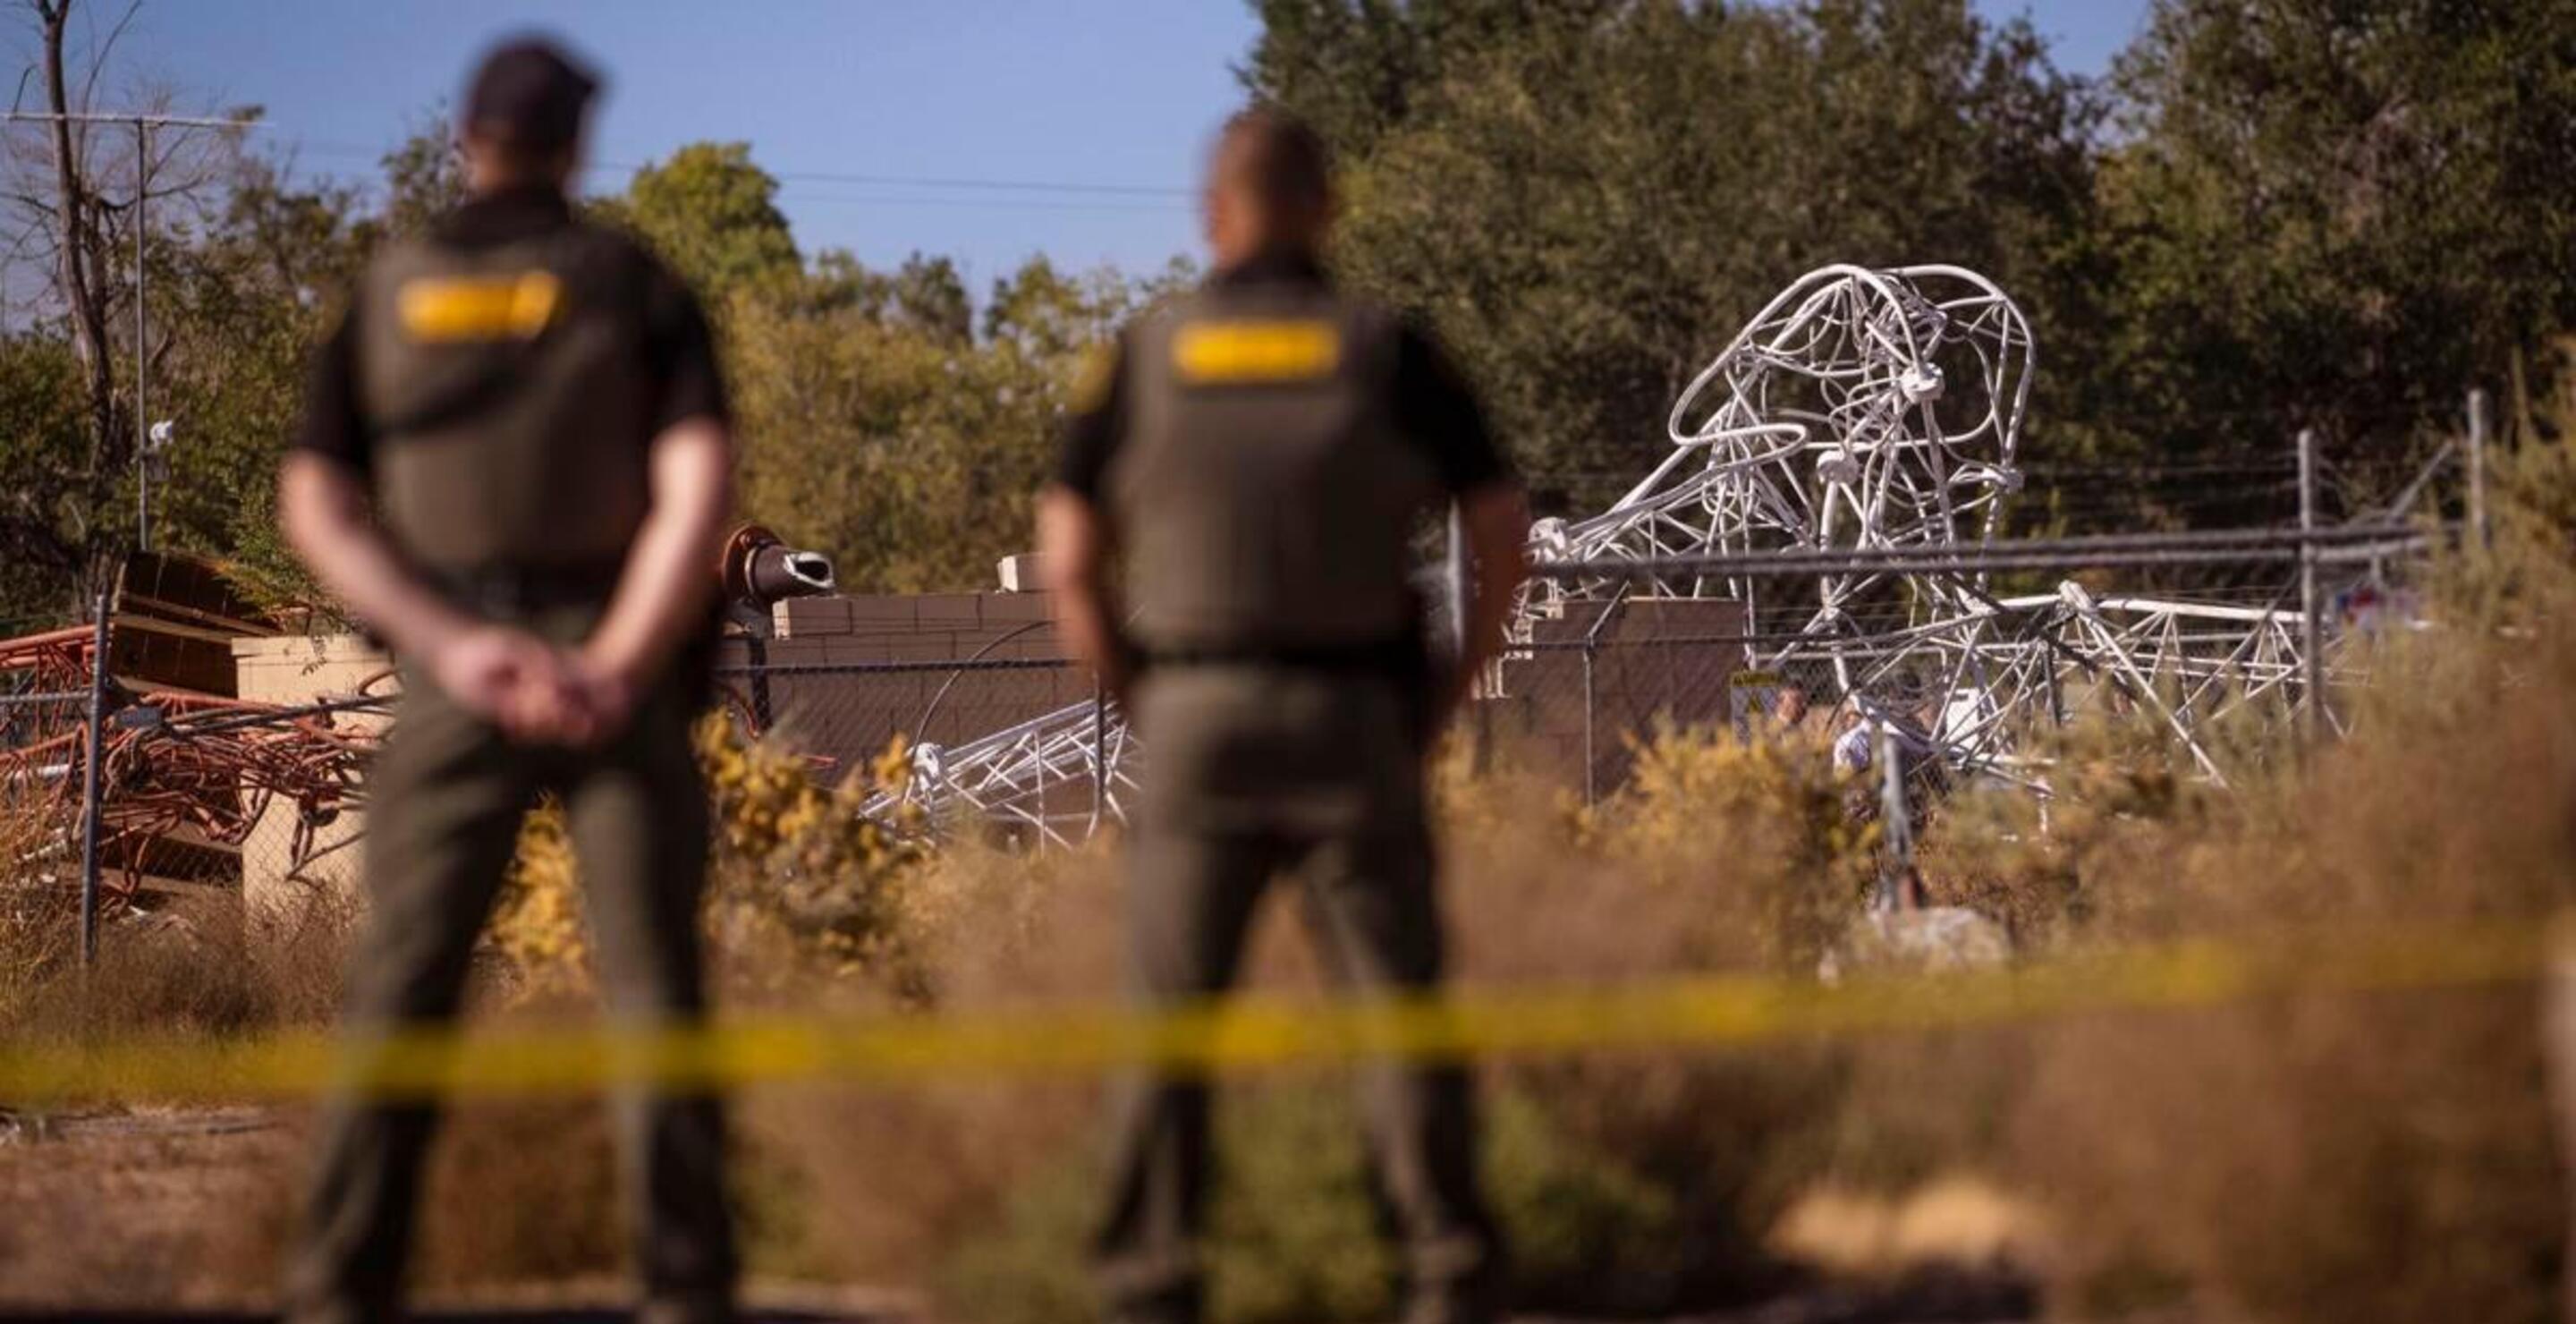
1017 185
970 183
983 203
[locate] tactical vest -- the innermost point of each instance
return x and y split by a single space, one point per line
1262 492
509 391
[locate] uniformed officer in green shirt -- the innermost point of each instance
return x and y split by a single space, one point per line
1260 456
515 468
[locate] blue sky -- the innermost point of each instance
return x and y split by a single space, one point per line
842 98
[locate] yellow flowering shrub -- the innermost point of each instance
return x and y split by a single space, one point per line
1762 827
798 865
537 923
796 869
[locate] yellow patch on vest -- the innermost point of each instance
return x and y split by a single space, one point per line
1255 353
478 307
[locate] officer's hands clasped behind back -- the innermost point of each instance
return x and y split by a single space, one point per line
536 691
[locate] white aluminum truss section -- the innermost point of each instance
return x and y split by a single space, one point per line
1858 410
1036 776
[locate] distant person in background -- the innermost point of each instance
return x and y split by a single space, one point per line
1260 454
515 468
1794 720
1856 745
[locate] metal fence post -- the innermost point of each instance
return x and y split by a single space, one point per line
94 777
1591 649
2478 465
2312 659
764 714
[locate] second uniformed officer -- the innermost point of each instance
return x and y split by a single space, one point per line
515 467
1260 455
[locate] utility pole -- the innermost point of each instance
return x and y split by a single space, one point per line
142 356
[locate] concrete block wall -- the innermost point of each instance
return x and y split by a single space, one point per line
849 717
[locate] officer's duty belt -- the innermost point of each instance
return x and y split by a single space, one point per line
512 590
1385 657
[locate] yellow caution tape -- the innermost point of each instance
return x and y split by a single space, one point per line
1255 1033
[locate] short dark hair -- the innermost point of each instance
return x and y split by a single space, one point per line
1279 157
528 97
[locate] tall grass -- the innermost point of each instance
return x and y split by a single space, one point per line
2307 1157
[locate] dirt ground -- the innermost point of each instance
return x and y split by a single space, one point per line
173 1216
160 1209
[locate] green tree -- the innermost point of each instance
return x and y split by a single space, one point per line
243 305
1588 200
874 427
43 436
907 456
2334 215
927 294
424 177
1050 314
77 213
713 215
1357 68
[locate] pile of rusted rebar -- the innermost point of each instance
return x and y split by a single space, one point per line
185 777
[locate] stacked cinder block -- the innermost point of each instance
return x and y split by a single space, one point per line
846 675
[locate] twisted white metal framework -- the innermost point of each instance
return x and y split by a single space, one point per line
1976 683
1864 410
1056 777
1859 410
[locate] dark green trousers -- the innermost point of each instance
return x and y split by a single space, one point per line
445 802
1254 774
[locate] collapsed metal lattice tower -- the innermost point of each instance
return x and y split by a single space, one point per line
1860 410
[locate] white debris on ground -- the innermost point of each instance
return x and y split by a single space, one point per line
1933 939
